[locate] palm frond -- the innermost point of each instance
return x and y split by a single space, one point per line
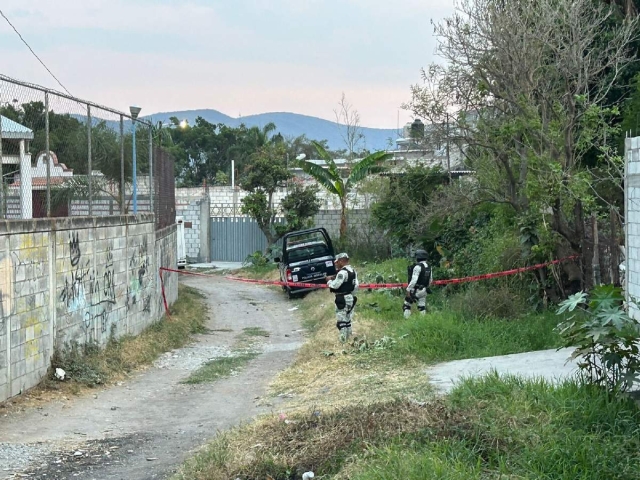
322 176
367 166
326 156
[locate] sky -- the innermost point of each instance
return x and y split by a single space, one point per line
240 57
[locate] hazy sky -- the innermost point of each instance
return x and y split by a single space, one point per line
237 56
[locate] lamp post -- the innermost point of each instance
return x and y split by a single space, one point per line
135 111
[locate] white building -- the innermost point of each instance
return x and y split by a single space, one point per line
15 138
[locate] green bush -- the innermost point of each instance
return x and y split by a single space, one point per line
606 338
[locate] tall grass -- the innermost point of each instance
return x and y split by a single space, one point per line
521 429
444 334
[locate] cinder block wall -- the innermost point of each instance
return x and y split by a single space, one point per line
76 280
192 212
632 225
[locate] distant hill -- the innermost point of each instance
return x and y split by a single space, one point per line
289 125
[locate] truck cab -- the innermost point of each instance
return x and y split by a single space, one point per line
307 257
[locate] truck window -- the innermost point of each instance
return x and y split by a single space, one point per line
307 252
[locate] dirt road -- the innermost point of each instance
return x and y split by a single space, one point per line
145 428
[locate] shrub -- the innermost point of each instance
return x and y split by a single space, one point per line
606 338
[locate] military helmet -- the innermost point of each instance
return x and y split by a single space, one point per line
421 255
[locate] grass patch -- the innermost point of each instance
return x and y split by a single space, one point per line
255 332
520 429
489 428
223 367
285 448
219 368
258 272
444 335
91 366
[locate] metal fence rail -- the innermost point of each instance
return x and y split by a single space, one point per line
62 156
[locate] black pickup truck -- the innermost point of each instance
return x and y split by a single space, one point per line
307 257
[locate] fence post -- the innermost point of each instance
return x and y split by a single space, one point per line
89 157
151 175
47 148
122 192
2 196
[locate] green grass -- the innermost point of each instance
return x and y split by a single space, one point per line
489 428
242 353
255 332
444 335
520 429
220 368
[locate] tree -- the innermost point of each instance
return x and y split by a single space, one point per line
527 86
348 120
299 207
262 177
403 203
303 145
330 178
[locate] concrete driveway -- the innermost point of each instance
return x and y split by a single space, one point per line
551 365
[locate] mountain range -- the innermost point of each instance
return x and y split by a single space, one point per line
289 125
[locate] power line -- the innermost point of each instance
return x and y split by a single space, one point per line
34 53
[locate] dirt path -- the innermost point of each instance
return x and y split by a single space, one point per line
146 427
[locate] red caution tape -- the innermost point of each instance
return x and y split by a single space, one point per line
474 278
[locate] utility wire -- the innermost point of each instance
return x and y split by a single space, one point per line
34 53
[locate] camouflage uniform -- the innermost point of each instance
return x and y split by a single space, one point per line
344 286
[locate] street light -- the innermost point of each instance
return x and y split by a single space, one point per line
135 111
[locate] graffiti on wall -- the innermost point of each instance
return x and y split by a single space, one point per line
89 290
139 266
90 293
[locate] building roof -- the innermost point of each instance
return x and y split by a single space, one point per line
14 131
42 181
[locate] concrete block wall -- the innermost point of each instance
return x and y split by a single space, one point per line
196 212
632 225
76 280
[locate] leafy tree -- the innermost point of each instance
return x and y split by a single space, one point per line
403 203
262 177
331 178
303 145
531 83
299 207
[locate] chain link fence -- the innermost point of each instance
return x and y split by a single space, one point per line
61 156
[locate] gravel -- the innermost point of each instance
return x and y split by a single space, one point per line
16 456
191 358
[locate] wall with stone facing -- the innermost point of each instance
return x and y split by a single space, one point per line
72 280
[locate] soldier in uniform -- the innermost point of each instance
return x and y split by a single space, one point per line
420 278
344 285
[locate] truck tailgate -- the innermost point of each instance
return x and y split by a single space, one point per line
312 271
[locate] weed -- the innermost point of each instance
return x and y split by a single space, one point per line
606 336
255 332
219 368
